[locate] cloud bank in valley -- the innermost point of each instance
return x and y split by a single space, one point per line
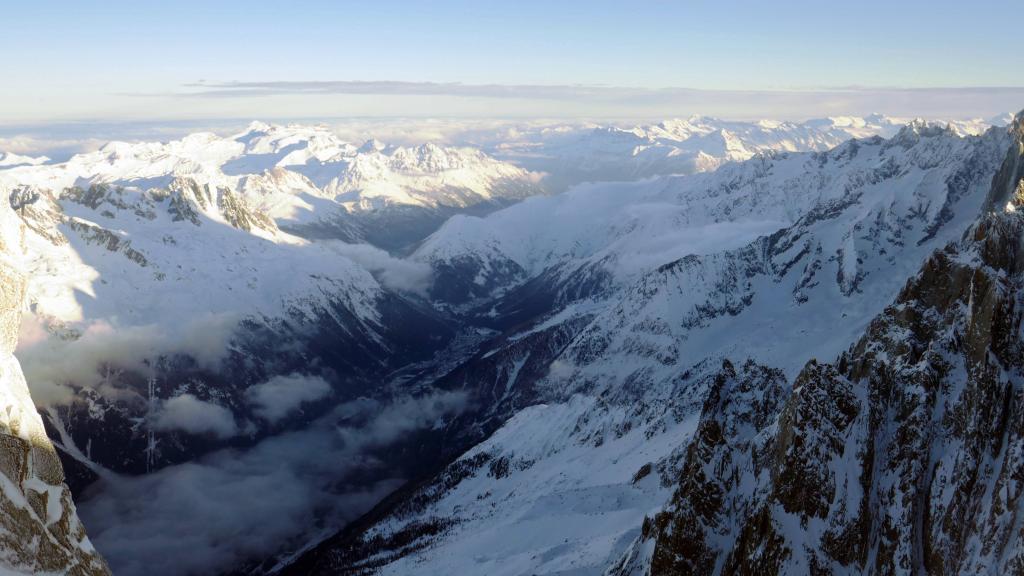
281 395
197 518
195 416
393 273
52 363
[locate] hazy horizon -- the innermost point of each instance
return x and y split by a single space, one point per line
194 61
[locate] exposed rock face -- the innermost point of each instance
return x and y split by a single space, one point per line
39 528
905 456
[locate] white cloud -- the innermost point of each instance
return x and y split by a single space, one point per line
561 369
279 396
28 144
190 414
394 420
391 272
50 363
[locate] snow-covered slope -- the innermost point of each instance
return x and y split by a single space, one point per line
104 252
618 231
610 369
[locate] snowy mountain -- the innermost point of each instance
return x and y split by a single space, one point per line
304 178
8 160
118 242
617 231
638 417
211 305
569 154
900 456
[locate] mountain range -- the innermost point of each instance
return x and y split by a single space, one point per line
692 347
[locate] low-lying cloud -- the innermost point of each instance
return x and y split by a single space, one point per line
560 370
401 88
392 421
62 148
190 414
393 273
281 395
198 518
61 140
52 363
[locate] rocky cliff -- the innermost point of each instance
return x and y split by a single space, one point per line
39 529
903 456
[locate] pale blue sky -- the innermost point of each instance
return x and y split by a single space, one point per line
136 59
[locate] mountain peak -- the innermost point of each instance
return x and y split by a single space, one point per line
919 128
1006 193
258 126
10 160
372 145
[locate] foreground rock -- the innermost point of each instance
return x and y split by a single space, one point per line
39 528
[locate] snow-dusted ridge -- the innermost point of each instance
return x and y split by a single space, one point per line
299 176
8 160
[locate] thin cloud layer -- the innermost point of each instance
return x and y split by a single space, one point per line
789 103
195 416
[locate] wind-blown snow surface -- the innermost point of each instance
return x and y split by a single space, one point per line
607 378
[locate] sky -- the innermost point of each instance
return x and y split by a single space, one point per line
145 60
